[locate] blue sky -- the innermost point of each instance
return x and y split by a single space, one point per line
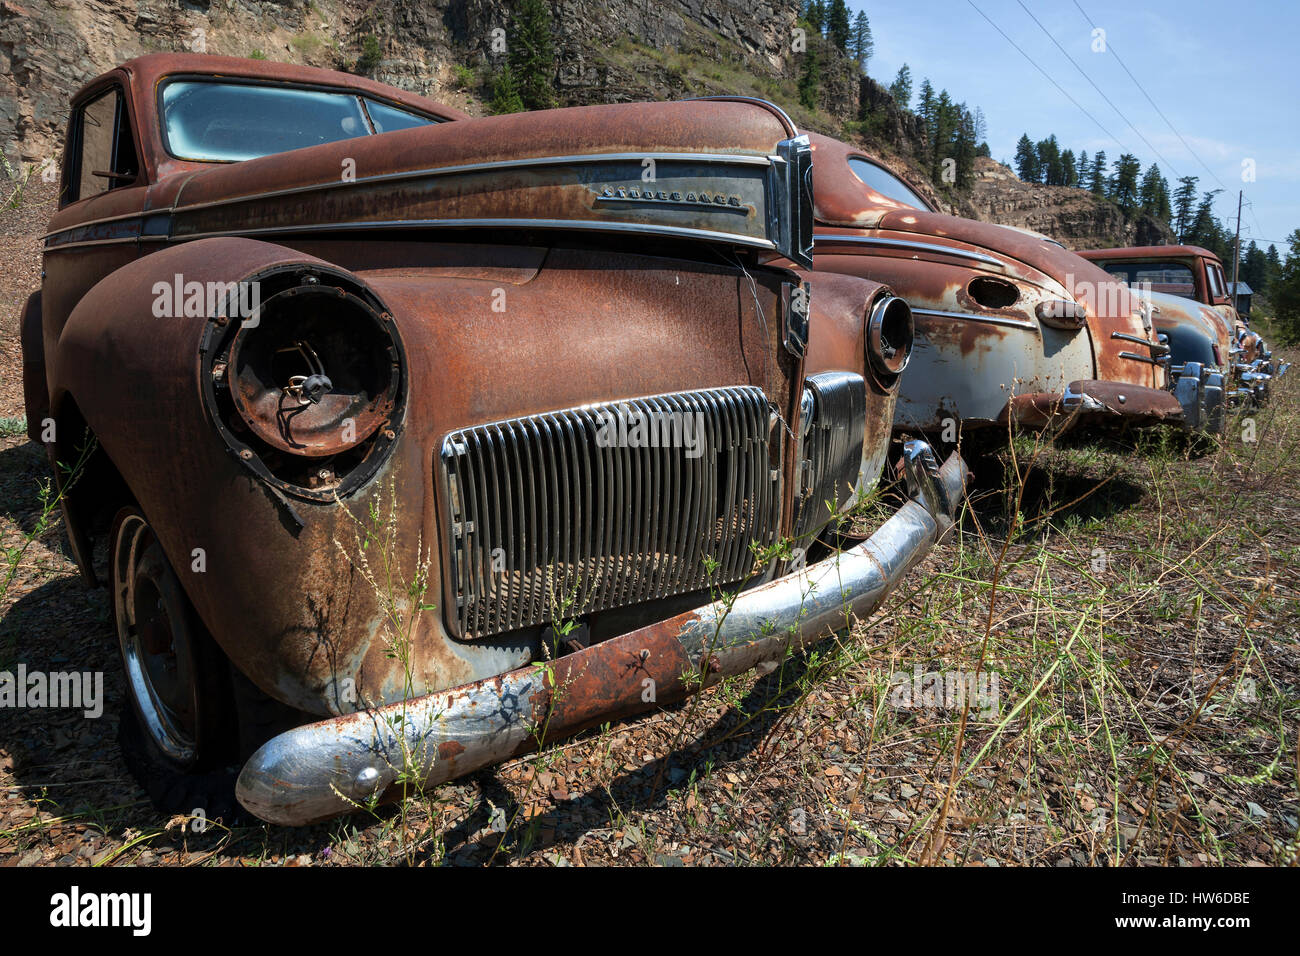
1223 74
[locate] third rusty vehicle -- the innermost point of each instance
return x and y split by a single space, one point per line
1196 274
426 442
1010 326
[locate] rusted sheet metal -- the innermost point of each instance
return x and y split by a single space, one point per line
841 305
140 78
716 171
977 350
1171 313
327 768
1099 402
567 332
1198 261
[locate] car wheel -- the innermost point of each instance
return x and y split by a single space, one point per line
179 734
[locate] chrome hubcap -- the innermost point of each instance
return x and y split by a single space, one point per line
153 633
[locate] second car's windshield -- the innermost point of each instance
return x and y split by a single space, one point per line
230 122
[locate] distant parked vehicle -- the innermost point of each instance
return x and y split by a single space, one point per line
1191 272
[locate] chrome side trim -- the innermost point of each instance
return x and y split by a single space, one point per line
916 245
730 159
1138 358
974 317
582 225
1157 348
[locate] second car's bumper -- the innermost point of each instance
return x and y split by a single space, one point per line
334 766
1095 403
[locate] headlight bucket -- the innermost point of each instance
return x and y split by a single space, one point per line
890 332
309 390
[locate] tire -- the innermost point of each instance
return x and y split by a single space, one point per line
179 735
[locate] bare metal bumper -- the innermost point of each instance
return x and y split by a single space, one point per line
324 769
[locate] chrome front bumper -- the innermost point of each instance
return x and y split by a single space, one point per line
335 766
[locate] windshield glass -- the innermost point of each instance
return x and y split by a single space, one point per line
230 122
885 183
1173 278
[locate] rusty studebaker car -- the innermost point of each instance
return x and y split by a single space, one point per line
1196 274
538 358
1010 326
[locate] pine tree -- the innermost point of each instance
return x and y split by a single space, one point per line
1027 167
815 14
810 78
1097 175
925 105
1206 230
838 28
1285 288
1124 183
532 55
1154 194
1049 157
1184 200
862 44
901 88
1070 172
505 94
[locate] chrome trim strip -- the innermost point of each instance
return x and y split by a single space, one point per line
1138 358
732 159
735 159
1136 339
60 246
581 225
990 319
916 245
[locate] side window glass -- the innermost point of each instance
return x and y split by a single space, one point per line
105 148
389 119
98 130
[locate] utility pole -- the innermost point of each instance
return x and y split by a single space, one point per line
1236 252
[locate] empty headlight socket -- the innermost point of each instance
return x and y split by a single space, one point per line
309 392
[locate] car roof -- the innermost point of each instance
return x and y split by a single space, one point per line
145 72
1149 252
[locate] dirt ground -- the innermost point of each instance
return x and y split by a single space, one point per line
1137 604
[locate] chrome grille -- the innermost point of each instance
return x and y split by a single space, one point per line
833 420
575 511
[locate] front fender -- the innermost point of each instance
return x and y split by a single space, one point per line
279 583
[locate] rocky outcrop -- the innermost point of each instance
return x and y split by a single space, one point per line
1072 216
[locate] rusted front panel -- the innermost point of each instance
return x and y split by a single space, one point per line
278 589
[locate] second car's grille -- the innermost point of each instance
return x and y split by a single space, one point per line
558 515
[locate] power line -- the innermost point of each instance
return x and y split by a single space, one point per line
1111 47
1074 63
1048 77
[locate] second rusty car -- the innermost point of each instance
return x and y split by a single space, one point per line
411 445
1011 327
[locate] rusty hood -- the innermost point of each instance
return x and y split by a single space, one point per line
728 172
